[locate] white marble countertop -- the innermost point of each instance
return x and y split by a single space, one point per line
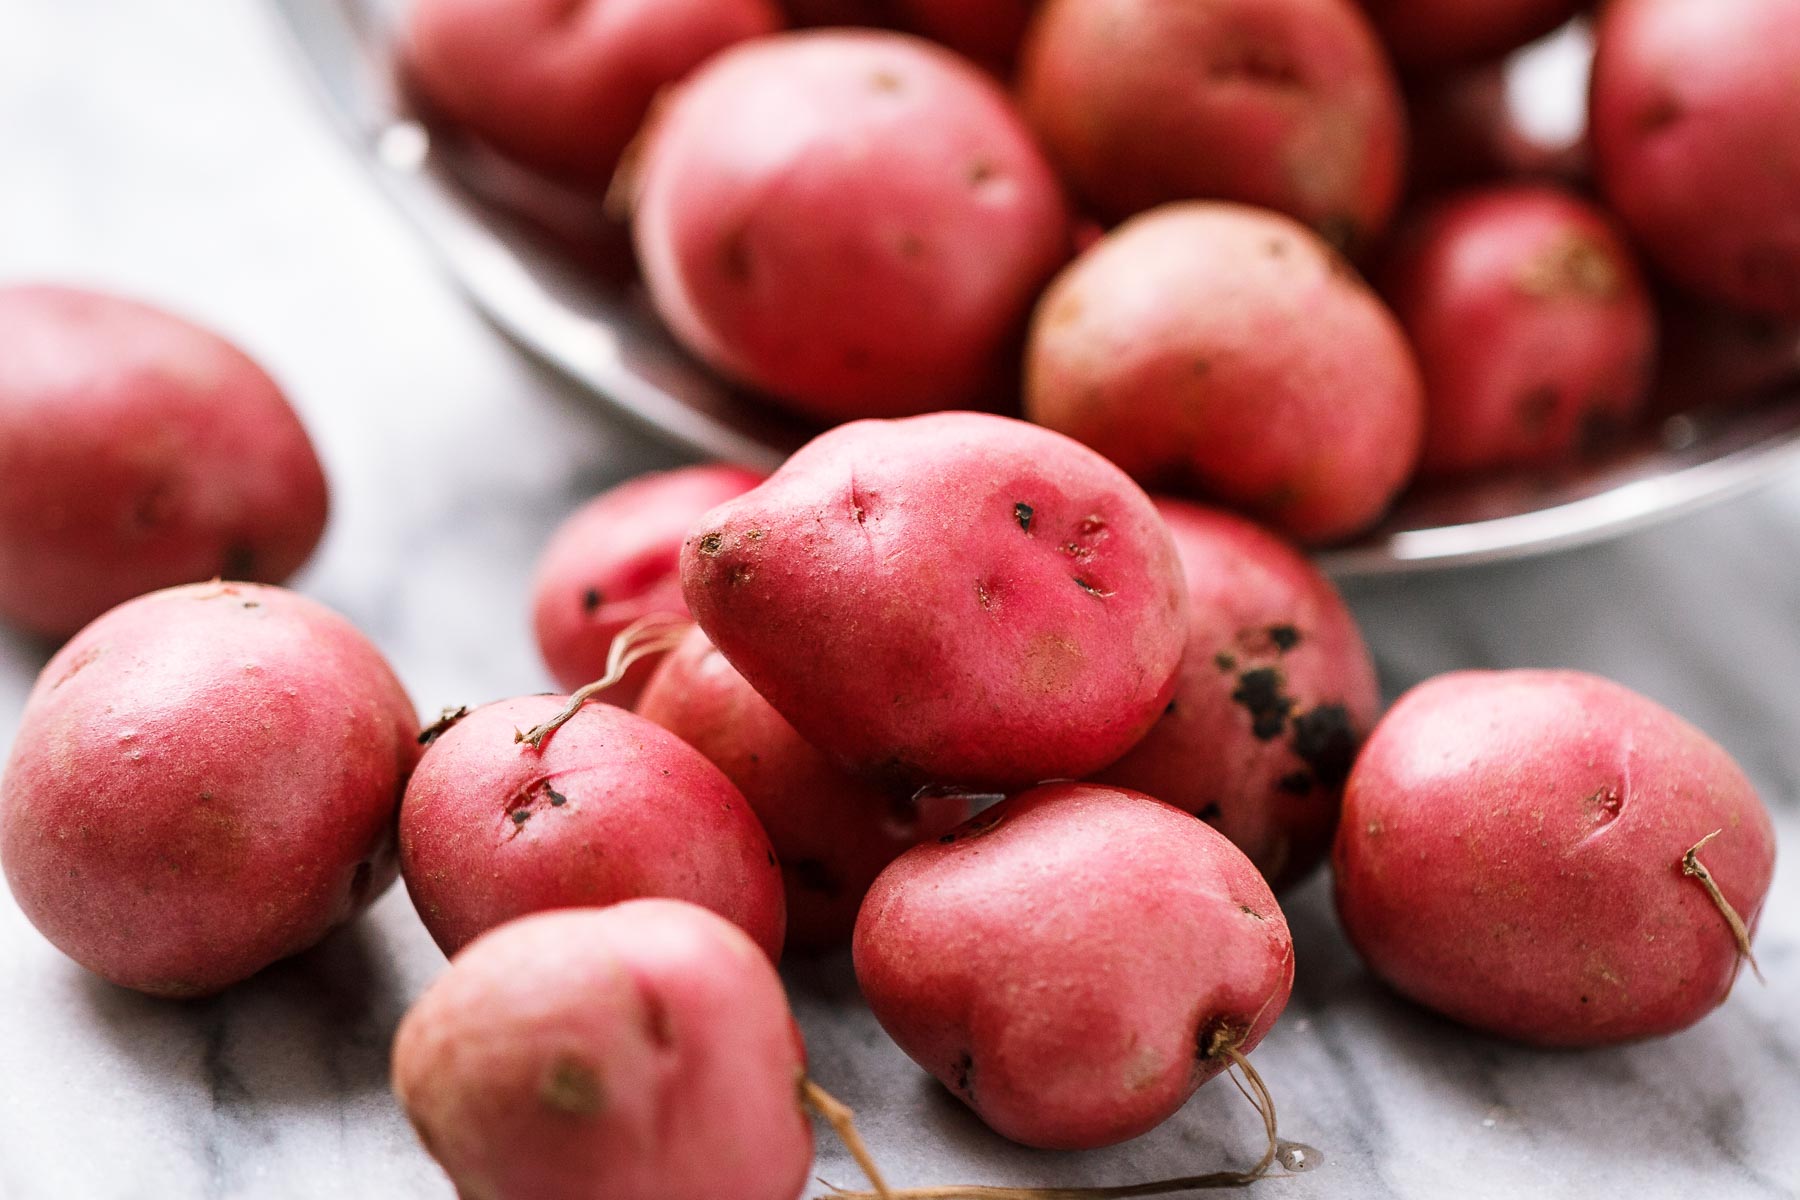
169 148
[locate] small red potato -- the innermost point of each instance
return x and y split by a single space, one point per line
1286 104
615 561
1432 35
138 451
853 222
1533 326
609 808
1518 853
562 86
987 31
1225 351
204 782
1075 962
1694 121
1465 131
640 1052
1276 693
957 599
832 832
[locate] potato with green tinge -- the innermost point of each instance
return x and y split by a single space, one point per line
1530 853
138 451
1287 104
640 1052
957 598
832 832
609 808
615 561
853 222
1276 693
204 782
1226 353
1533 326
1073 963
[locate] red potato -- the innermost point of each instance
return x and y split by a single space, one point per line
639 1052
616 561
1226 351
1287 104
987 31
1713 357
1694 119
832 832
204 782
1512 854
957 599
965 951
1465 131
138 451
1533 326
562 86
853 222
1431 35
610 808
1276 693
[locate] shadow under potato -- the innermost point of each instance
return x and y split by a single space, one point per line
306 1032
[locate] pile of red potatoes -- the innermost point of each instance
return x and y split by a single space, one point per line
950 688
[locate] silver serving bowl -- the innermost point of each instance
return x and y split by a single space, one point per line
547 271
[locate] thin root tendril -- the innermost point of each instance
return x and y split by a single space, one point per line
1242 1074
1693 868
657 633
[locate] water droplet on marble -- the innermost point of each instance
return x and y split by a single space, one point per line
1297 1156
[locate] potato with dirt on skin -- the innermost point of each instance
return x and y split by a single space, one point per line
1433 35
609 808
204 782
853 222
832 832
1226 353
138 451
1287 104
639 1052
615 561
1276 693
1533 326
957 598
1073 963
562 86
1515 855
1694 126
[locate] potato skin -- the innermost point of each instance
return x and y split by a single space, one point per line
1693 113
205 782
964 945
614 808
1276 693
1287 104
1433 35
138 451
639 1052
832 832
1511 849
617 559
956 598
987 31
1226 352
854 222
1533 326
562 86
